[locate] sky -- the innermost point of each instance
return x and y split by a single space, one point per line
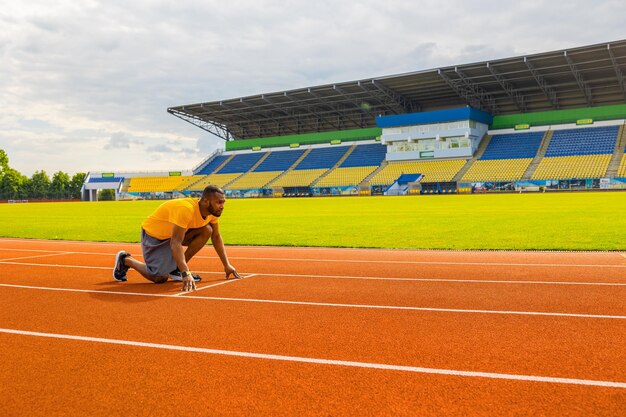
85 85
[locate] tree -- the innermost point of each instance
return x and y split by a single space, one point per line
106 195
60 185
76 184
4 161
14 185
39 185
11 184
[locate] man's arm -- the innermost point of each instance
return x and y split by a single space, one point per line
178 252
218 244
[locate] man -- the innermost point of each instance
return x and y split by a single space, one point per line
173 225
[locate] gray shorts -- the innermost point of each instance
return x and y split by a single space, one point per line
157 255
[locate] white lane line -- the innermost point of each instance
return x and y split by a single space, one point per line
367 261
39 250
138 255
220 283
204 288
36 256
370 261
334 362
49 242
63 242
474 281
319 304
109 268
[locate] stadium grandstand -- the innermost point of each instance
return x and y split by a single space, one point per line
548 121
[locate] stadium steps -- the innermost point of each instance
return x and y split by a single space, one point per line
243 174
195 182
237 178
541 152
295 164
126 185
259 162
207 161
479 152
339 162
204 176
367 179
616 159
217 170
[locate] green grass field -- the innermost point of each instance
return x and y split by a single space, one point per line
552 221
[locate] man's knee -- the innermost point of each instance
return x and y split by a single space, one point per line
201 233
160 280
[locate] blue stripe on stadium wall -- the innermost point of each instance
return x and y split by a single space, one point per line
438 116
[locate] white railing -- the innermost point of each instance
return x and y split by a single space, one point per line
206 161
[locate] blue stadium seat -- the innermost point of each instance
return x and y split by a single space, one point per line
513 146
241 163
365 155
213 165
320 158
110 179
583 141
279 161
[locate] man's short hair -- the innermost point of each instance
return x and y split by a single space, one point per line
209 190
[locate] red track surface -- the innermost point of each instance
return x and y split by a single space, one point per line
448 333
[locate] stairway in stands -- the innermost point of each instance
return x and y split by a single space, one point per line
339 162
541 152
479 152
620 144
367 179
126 185
295 164
202 177
252 168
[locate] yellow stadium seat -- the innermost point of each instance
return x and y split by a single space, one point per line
214 179
565 167
621 171
497 170
432 171
160 184
254 180
346 176
298 178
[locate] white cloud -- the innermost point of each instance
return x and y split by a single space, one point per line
120 140
97 77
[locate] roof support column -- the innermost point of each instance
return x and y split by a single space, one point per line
618 71
579 79
508 88
214 128
545 87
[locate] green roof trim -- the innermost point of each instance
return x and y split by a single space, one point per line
555 117
305 139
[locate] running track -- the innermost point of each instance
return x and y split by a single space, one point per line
313 332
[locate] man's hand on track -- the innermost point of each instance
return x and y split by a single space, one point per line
188 283
231 270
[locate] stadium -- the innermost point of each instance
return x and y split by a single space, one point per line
445 242
552 121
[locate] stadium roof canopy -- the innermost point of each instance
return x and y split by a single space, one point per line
570 78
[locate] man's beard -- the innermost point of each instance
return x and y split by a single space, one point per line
214 213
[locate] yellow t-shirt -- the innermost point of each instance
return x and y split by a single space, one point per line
183 212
